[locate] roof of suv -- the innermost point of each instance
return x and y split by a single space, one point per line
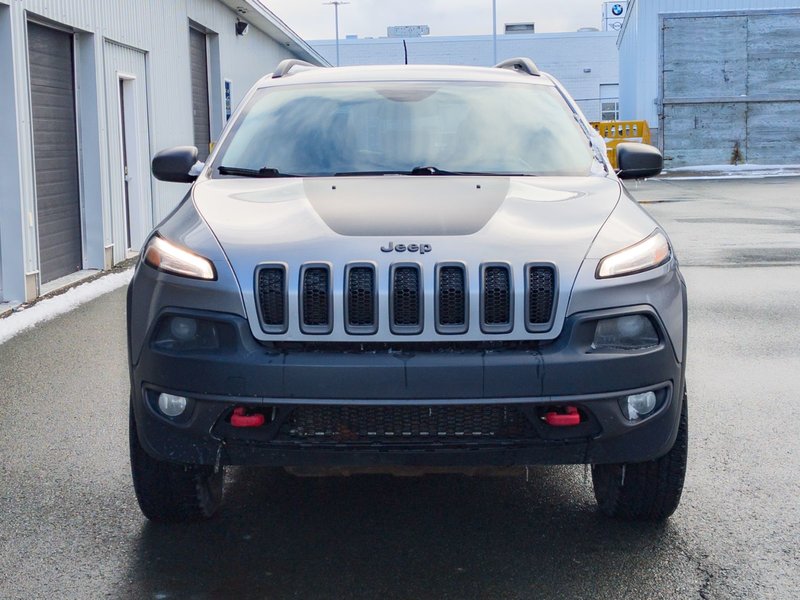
404 73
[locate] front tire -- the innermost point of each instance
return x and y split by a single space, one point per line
172 492
648 491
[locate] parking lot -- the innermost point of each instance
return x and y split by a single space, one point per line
70 527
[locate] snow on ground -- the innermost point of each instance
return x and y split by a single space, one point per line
745 171
58 305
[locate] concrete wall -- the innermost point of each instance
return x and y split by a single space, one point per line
639 48
157 34
738 101
564 55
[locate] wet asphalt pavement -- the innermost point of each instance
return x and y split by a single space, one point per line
70 527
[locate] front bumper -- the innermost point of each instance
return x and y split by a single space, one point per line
524 380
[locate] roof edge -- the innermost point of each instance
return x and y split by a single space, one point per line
268 22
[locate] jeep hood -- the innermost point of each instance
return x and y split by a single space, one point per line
342 220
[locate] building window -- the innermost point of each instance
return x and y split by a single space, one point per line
609 109
609 101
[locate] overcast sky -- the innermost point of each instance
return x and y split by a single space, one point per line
314 21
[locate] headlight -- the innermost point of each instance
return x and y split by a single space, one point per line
651 252
166 256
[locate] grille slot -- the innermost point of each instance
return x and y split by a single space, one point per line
406 424
406 299
272 298
315 299
451 299
362 300
496 299
540 297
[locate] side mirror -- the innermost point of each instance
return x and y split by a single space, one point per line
637 161
175 164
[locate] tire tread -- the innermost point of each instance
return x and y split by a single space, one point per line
647 491
172 492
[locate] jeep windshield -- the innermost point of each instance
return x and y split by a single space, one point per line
405 128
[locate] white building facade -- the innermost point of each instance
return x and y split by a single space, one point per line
91 90
586 62
716 79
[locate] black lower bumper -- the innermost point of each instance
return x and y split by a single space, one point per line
526 381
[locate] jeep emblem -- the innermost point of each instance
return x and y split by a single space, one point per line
421 248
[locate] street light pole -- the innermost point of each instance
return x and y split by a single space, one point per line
336 4
494 30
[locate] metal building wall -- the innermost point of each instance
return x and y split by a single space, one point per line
157 30
566 56
639 48
11 246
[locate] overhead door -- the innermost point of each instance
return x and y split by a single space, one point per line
199 66
730 89
55 149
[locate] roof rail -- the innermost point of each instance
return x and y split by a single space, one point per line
526 65
285 66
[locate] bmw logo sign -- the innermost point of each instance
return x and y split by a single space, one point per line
617 9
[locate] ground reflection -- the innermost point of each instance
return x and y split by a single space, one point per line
375 536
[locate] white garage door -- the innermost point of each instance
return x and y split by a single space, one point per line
730 88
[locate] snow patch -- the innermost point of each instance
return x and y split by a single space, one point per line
745 171
735 168
63 303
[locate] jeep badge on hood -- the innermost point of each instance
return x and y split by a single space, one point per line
421 248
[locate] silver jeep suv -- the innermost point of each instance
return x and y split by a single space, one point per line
416 268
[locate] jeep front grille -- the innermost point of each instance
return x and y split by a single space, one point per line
497 307
272 298
540 297
406 298
359 303
361 306
316 310
406 424
451 299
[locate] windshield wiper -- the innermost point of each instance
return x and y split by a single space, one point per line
369 173
430 171
263 172
438 171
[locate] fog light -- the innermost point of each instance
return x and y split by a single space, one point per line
188 334
631 332
183 328
170 405
640 405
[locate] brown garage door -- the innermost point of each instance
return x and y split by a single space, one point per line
55 148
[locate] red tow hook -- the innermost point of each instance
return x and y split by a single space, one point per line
568 419
240 418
